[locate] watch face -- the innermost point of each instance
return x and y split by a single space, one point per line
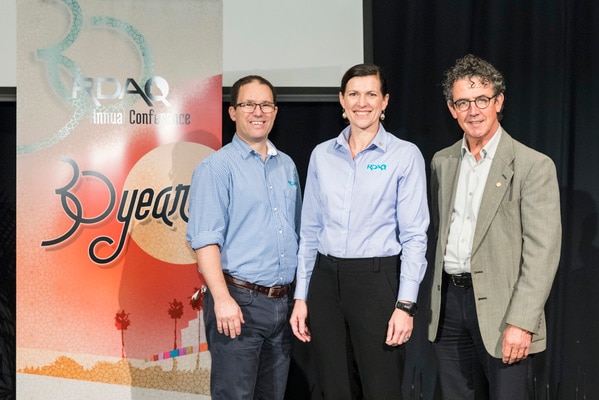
409 308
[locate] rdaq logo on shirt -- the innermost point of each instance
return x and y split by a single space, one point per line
373 167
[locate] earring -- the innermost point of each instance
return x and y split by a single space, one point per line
344 115
382 117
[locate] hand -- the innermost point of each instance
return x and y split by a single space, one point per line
298 321
516 344
399 328
228 317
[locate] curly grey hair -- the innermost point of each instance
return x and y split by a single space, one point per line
471 66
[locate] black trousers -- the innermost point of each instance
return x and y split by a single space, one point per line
466 370
350 302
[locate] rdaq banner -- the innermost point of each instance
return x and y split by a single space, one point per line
117 102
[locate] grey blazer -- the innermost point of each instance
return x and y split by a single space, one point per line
517 240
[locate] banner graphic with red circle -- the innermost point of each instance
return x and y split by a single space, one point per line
117 102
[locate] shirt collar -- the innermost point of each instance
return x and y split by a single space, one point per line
489 149
271 150
379 140
246 150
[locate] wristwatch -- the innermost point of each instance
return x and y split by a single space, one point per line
410 308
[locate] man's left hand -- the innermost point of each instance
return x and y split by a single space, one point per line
516 344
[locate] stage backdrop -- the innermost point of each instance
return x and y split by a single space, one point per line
118 102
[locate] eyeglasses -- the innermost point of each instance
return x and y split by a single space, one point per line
481 102
249 107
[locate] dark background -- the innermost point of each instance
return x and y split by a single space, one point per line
8 129
548 52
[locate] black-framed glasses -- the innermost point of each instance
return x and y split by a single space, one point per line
481 102
249 107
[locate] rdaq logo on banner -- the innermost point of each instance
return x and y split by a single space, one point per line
117 103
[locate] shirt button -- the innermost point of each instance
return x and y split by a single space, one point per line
275 209
280 231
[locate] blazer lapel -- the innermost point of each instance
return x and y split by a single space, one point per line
450 172
498 182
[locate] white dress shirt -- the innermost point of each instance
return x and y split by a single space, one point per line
469 193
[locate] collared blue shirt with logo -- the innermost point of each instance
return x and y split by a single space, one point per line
374 205
250 208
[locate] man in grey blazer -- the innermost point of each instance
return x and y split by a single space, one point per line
496 213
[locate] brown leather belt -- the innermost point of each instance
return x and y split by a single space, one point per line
461 280
270 291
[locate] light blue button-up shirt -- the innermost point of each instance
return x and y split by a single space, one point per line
374 205
251 209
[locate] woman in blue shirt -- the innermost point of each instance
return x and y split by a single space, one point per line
362 247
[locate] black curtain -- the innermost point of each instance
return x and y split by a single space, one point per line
8 129
548 52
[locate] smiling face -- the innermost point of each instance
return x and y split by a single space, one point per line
364 102
253 127
479 125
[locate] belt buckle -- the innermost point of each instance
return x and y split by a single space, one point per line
454 281
459 281
272 291
275 291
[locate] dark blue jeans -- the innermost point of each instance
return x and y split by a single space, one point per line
466 370
255 364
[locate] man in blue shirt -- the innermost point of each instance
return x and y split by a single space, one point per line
244 214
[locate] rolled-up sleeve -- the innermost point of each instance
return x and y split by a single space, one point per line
208 199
